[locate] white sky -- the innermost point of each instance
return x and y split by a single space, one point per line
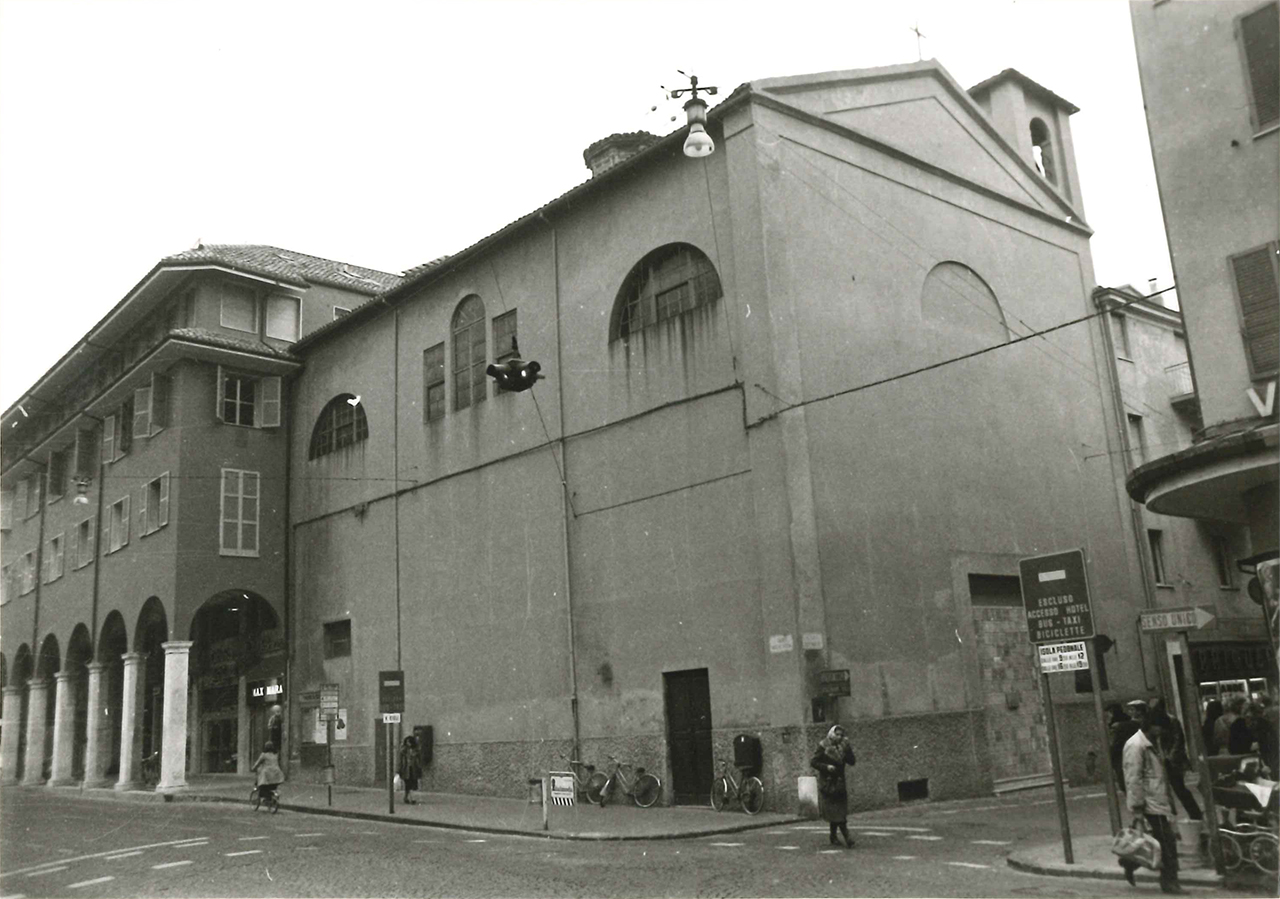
386 134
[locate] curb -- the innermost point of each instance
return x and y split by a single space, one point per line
1062 869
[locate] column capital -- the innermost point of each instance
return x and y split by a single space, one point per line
38 683
134 658
62 676
96 666
14 690
183 646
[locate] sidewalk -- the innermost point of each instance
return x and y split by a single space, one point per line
618 820
1092 858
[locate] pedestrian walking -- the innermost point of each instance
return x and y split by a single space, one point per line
410 767
833 755
270 775
1120 727
275 726
1212 712
1147 791
1173 747
1239 734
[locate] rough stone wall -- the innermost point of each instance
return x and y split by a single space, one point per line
1016 730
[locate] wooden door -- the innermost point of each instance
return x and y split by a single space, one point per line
688 698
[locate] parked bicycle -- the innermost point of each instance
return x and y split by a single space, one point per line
272 799
750 792
589 784
644 788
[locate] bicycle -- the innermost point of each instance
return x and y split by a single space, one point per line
644 789
589 785
273 799
750 793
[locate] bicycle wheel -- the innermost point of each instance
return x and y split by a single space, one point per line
1264 851
720 793
648 789
595 788
1230 849
752 795
255 799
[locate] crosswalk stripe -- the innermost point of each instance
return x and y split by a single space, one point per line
873 833
112 858
171 865
89 883
728 845
922 836
991 842
905 858
788 847
244 839
308 834
832 852
890 827
15 896
967 865
477 841
243 852
47 871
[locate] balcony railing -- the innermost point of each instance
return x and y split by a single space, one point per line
1178 378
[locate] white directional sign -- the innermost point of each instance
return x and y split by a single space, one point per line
390 717
1063 657
1184 618
562 790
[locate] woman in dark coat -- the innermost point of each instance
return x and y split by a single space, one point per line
830 759
410 767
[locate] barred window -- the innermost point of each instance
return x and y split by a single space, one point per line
668 282
341 423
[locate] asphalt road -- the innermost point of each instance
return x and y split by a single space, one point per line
62 845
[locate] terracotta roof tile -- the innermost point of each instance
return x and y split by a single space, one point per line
247 344
287 265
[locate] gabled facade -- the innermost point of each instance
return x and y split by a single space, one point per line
751 470
144 544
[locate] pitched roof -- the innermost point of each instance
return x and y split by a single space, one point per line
226 341
1031 86
287 265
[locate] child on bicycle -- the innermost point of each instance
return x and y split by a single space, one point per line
268 767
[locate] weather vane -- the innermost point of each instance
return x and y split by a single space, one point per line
916 29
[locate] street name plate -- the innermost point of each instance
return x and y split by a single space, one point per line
834 682
390 717
1055 595
1063 657
1183 618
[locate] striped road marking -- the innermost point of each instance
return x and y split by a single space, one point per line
15 896
47 871
967 865
922 836
788 847
112 858
81 858
244 839
889 827
991 842
905 858
728 845
171 865
832 851
308 834
873 833
89 883
243 852
477 841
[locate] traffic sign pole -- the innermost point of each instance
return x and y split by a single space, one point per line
391 774
1191 719
1113 798
1058 792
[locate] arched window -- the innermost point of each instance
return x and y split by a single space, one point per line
1042 150
961 309
671 280
341 423
468 353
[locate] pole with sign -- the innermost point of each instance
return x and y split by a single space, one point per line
391 705
1181 620
329 712
1055 595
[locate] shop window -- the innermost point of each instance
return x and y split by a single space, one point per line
337 639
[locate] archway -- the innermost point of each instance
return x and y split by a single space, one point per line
79 655
150 635
237 669
48 663
113 643
23 669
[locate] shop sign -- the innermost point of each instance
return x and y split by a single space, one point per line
265 692
834 682
1222 661
1055 595
390 691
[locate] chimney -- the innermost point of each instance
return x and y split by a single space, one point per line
1151 285
607 152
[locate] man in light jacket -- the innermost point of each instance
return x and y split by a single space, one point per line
1147 789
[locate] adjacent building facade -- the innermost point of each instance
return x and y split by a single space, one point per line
791 446
1210 76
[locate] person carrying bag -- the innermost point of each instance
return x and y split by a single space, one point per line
1137 847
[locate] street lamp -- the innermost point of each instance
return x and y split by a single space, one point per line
698 143
82 491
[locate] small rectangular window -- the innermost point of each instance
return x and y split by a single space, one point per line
1255 279
282 318
6 508
33 495
84 543
1156 541
1137 440
337 639
1120 334
160 386
153 513
1259 37
28 572
6 584
118 523
142 412
1222 555
995 590
239 309
239 399
57 475
54 558
124 436
433 395
109 439
240 500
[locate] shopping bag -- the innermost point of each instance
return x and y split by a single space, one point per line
1135 845
399 782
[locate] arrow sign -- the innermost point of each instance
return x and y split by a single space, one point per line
1186 618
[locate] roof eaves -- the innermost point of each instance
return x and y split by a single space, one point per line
1032 85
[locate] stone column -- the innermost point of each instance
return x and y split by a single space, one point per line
12 715
37 703
64 729
173 752
244 757
130 721
96 729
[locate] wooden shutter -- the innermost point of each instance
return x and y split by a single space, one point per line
142 509
46 560
86 551
269 403
124 522
218 395
162 517
60 559
73 542
142 412
1256 289
159 402
108 439
1259 36
20 499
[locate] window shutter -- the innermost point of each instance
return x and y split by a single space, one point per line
159 402
73 541
142 412
162 517
124 522
142 510
45 559
86 551
108 439
219 396
1255 277
60 560
1260 39
20 499
269 403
